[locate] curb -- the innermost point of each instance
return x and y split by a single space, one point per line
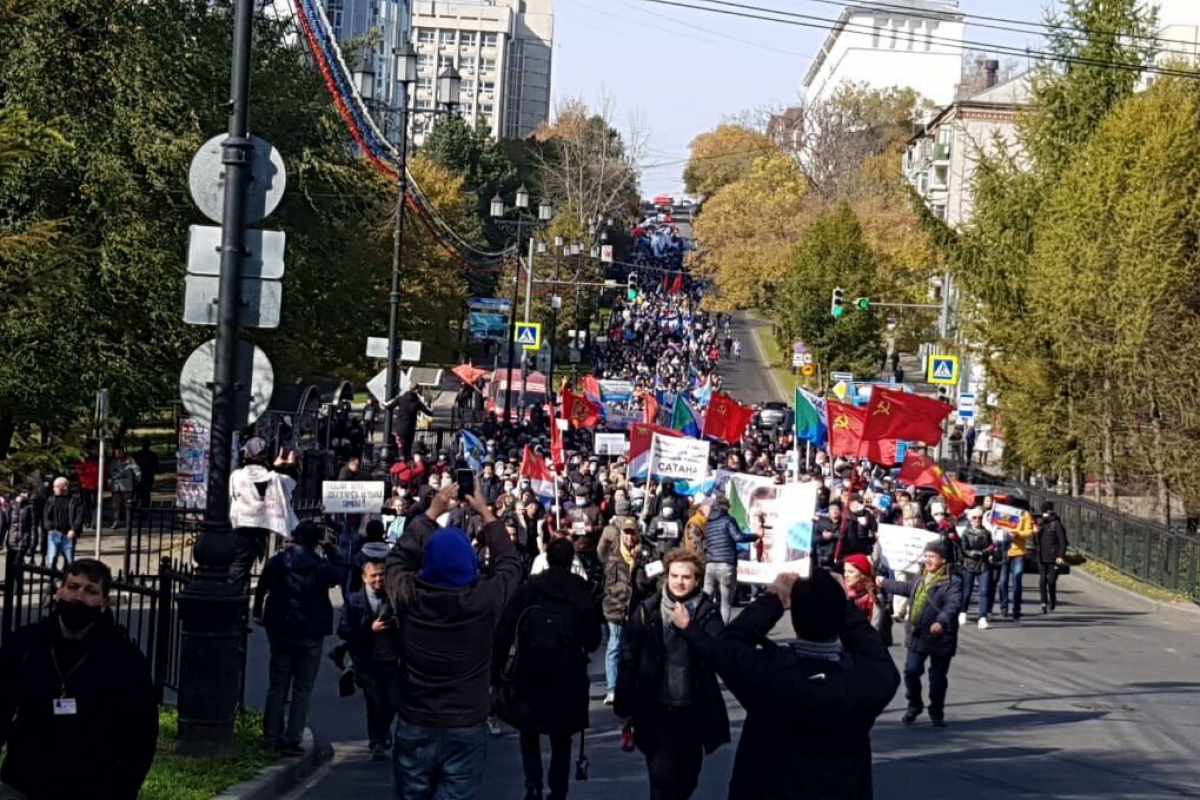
274 781
1184 607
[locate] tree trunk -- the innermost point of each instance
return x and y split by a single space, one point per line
1160 478
1108 456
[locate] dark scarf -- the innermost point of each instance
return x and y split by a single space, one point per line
677 680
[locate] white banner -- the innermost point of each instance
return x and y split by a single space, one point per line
679 458
902 547
611 444
352 497
783 515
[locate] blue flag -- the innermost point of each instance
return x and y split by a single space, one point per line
473 449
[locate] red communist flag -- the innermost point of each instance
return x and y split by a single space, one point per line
581 412
651 408
900 415
921 470
726 419
845 435
677 285
557 455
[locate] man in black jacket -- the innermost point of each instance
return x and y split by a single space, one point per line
554 622
810 706
1051 554
447 615
368 626
295 584
408 407
77 704
63 519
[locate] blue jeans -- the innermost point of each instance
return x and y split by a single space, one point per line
987 589
1014 568
969 579
58 542
939 682
438 763
292 671
612 655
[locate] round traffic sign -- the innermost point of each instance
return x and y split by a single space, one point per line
256 382
808 358
206 180
808 370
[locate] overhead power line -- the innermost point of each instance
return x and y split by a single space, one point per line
825 24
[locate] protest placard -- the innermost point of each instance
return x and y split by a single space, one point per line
902 547
783 515
678 458
352 497
611 444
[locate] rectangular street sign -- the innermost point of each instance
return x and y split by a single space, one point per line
409 351
529 335
264 258
376 347
966 406
942 370
841 377
262 301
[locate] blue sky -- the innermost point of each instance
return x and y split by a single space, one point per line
683 71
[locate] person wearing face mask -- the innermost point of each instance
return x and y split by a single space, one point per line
665 530
74 680
665 688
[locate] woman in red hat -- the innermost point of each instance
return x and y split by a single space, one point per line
862 591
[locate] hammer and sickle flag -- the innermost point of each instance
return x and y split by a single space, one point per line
579 411
726 418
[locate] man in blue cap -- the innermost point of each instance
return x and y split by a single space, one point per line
447 613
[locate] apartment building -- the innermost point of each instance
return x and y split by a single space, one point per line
501 48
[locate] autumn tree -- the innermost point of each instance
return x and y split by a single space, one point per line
749 230
723 155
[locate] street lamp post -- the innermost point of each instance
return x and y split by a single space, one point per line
555 305
524 220
449 91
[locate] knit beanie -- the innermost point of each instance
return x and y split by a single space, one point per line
818 607
861 563
939 547
449 561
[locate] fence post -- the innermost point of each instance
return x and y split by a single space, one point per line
12 577
162 626
128 541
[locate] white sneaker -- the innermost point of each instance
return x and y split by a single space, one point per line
983 623
608 699
494 726
962 618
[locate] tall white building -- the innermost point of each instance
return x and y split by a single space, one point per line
914 44
502 49
353 19
1179 22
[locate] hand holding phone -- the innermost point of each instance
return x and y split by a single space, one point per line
465 479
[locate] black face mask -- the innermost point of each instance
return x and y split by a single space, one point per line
77 616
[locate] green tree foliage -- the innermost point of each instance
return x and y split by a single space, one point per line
834 253
472 153
132 90
991 260
1113 285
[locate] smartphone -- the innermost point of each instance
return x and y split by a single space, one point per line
465 479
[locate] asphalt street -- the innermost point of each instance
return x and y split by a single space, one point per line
749 379
1100 699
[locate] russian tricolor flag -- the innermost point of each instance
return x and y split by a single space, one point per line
541 479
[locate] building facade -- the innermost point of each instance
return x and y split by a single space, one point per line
388 21
914 44
941 159
501 48
1179 27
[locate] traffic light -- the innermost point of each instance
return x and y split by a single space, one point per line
863 304
836 304
631 286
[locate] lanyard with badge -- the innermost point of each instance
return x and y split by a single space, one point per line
63 705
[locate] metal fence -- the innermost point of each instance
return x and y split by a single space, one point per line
143 606
1140 548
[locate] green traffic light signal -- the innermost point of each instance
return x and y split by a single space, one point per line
863 303
838 311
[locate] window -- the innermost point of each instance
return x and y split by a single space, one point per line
468 86
466 63
940 176
424 36
466 38
425 84
490 39
922 183
424 102
939 211
445 61
487 64
425 61
418 126
446 37
487 86
487 108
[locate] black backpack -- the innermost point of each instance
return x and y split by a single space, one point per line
543 646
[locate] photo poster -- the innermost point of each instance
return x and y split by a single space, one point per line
783 514
902 547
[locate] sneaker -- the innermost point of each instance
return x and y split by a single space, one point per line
962 619
609 698
1004 613
1016 616
983 623
494 726
910 716
1045 610
378 752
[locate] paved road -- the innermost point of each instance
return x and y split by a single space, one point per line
750 380
1100 699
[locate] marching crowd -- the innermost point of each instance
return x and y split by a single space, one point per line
482 591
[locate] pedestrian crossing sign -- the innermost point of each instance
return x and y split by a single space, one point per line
942 370
529 335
